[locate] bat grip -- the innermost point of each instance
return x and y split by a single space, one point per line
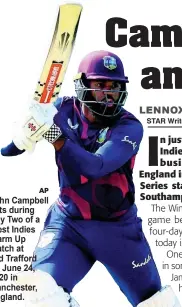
11 150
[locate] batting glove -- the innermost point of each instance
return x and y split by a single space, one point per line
40 123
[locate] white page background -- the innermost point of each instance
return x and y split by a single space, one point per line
26 29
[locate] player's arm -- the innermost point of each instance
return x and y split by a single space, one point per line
122 145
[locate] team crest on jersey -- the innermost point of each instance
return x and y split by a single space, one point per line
102 135
110 62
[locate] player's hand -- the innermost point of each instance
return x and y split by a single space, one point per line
39 120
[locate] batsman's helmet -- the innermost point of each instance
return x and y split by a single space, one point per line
101 65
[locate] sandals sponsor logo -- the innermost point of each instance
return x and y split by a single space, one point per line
126 139
138 265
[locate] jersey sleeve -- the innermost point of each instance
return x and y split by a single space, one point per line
122 145
61 101
58 103
11 150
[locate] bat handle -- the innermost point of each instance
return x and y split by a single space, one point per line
11 150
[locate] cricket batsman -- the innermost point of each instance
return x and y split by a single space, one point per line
95 217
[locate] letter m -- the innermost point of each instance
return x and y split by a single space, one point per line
167 32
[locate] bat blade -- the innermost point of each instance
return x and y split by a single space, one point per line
59 54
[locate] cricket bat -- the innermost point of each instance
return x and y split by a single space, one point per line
57 60
58 57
